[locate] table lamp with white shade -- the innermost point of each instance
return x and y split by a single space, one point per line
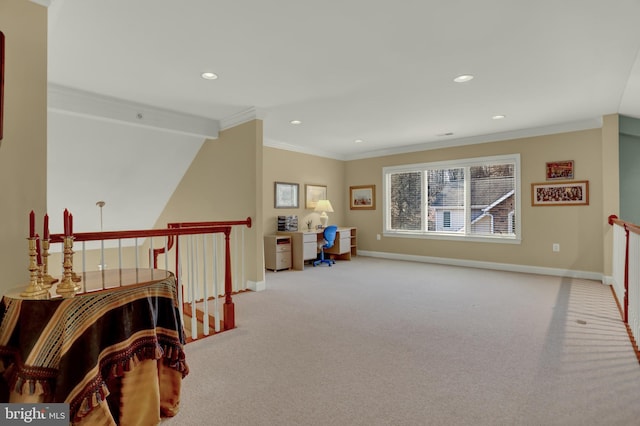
324 206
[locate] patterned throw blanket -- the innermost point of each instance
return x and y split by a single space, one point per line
72 350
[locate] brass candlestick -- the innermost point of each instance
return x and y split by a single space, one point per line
46 278
34 290
67 288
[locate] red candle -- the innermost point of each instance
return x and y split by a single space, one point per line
46 227
65 220
70 224
32 224
38 254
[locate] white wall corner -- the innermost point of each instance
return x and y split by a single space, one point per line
256 285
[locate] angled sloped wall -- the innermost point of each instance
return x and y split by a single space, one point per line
224 182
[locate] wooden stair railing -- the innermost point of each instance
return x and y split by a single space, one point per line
627 252
192 310
171 233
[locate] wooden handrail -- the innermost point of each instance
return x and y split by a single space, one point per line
191 225
632 227
247 222
628 228
116 235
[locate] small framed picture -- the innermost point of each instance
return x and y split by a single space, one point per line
559 170
313 193
286 195
560 193
362 197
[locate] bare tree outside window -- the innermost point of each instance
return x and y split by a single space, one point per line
406 201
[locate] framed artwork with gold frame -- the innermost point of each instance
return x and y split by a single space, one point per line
314 193
362 197
559 170
570 193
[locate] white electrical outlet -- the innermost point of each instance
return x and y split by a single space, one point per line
378 237
556 247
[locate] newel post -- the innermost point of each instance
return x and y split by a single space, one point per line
626 275
228 308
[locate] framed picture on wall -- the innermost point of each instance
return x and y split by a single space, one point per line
362 197
286 195
313 193
559 170
560 193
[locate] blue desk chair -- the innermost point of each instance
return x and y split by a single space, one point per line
329 235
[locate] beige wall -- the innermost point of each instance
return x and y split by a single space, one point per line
23 149
223 183
578 229
293 167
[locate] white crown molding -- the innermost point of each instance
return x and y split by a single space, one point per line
595 123
45 3
303 150
241 117
574 126
76 102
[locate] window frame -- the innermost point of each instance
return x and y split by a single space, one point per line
465 163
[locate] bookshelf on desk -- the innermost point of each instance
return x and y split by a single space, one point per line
304 245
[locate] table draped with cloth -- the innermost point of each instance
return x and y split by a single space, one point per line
115 354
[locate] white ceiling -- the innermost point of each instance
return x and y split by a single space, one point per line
374 70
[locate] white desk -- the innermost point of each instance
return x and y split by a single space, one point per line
304 245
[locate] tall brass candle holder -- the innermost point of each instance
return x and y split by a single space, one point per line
35 289
47 279
67 287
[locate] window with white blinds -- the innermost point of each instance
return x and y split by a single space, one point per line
476 198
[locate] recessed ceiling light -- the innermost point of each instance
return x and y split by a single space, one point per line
295 122
358 141
498 117
463 78
209 76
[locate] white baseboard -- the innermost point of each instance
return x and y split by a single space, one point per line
256 285
487 265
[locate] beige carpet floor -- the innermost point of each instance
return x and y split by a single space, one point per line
381 342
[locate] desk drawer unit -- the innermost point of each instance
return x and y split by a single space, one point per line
277 252
310 245
342 244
